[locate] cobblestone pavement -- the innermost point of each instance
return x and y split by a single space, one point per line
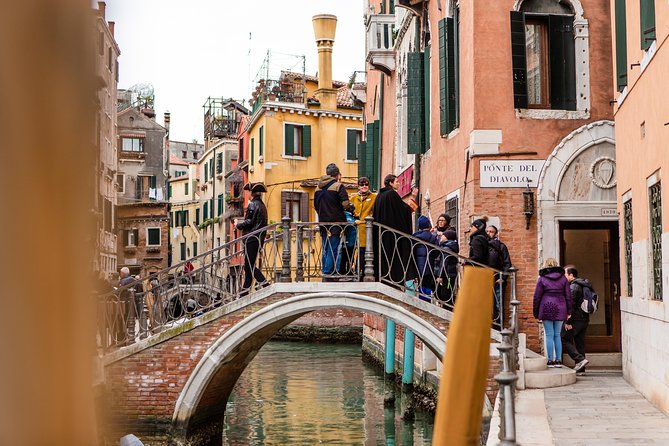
603 409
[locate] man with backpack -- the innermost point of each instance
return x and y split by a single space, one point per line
330 201
573 331
498 258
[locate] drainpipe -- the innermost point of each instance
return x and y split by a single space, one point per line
381 93
416 164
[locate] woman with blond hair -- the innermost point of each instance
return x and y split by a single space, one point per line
552 306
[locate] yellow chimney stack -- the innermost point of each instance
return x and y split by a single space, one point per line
325 26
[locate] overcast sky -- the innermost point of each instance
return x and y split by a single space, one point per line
190 50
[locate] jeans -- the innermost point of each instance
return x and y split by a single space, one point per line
330 254
553 340
498 302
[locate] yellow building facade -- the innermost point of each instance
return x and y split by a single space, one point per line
298 126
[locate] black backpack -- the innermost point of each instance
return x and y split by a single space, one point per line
495 255
590 300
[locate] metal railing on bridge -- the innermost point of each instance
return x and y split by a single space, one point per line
306 252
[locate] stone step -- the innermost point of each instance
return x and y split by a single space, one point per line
534 362
550 377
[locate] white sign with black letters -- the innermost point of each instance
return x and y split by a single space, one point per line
510 173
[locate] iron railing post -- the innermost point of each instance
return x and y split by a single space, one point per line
130 322
513 323
369 250
285 257
506 380
143 315
299 249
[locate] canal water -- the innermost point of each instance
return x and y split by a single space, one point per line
308 394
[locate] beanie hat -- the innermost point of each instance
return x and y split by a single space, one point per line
450 234
424 222
479 223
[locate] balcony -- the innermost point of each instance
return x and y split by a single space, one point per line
380 42
283 90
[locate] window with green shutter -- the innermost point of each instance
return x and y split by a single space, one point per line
253 150
647 14
369 155
621 44
426 95
183 251
206 172
219 163
544 61
297 140
362 153
197 216
353 138
415 100
448 76
205 210
261 141
186 188
220 204
194 249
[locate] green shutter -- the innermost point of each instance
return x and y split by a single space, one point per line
415 111
563 62
197 216
205 211
186 188
306 140
362 151
391 7
253 150
426 95
351 143
455 63
169 191
373 165
153 182
206 172
289 144
369 154
443 83
261 145
519 59
621 45
220 204
647 23
194 249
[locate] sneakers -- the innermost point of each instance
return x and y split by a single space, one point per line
581 365
554 364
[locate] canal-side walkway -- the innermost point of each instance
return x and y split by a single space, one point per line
600 409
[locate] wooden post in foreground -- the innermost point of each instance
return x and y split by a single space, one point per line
463 378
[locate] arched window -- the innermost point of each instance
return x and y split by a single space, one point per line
545 36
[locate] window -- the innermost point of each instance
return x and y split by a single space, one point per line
101 41
109 58
152 236
253 150
368 156
543 57
220 204
297 140
415 78
261 141
186 188
452 211
647 14
449 61
195 155
629 240
295 205
183 251
184 154
132 144
205 211
108 215
240 155
120 180
194 249
353 139
219 163
621 45
206 172
197 216
130 237
655 208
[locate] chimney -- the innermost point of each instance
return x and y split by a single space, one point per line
101 9
167 123
325 26
111 27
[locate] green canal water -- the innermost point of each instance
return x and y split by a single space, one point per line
308 394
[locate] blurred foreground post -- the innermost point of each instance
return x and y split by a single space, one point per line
47 111
463 379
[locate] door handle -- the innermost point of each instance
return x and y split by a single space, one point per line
615 292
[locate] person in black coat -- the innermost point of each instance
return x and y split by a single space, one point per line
500 259
254 219
447 267
425 255
392 263
478 242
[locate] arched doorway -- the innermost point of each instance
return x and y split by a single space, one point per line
578 221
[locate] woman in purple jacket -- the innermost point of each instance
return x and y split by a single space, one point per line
552 306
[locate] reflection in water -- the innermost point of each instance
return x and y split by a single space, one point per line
305 394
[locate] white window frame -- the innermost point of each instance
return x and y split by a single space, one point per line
128 138
131 235
159 236
283 150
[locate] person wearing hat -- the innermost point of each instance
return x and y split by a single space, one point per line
363 201
330 201
255 218
478 242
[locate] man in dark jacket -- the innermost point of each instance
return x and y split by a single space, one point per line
478 242
392 263
254 219
447 271
330 201
573 331
499 258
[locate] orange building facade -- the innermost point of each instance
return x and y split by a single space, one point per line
641 65
503 109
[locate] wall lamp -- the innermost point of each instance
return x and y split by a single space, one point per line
528 205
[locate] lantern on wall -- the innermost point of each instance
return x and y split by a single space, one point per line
528 205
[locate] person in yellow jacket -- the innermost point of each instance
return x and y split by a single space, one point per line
363 200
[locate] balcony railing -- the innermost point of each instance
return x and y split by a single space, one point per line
380 42
278 91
